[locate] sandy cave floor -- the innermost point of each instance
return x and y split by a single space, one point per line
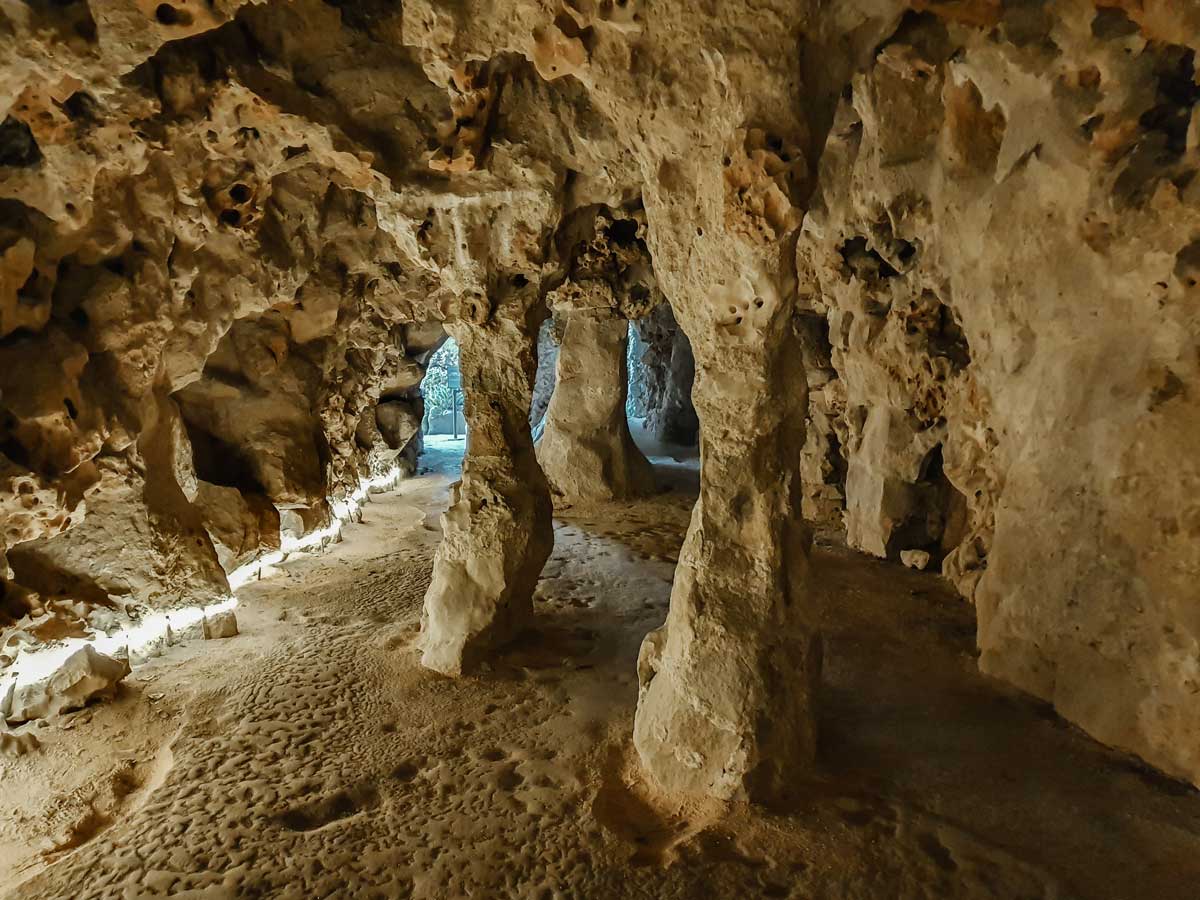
311 756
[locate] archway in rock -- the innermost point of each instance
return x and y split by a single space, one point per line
443 427
665 371
585 447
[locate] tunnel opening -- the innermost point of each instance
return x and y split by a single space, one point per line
640 403
936 520
444 424
637 399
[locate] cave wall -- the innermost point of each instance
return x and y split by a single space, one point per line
199 310
958 239
1002 260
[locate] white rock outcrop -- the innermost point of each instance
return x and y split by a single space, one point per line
84 675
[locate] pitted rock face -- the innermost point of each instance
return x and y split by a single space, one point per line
974 338
585 448
931 270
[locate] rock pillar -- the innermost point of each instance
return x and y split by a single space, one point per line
728 684
498 531
586 450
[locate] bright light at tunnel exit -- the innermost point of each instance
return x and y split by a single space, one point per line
34 666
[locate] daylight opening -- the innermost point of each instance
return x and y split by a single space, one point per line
444 427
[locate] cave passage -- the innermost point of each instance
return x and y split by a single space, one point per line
600 449
441 389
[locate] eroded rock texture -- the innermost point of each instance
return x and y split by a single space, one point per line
1004 254
935 262
586 450
200 312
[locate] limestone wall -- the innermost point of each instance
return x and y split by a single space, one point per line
1004 247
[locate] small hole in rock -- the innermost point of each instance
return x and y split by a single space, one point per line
239 193
230 217
623 231
17 145
170 15
82 107
406 771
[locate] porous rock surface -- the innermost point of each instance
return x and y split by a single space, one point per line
936 263
1003 248
586 450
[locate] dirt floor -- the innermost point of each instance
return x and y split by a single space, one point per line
311 756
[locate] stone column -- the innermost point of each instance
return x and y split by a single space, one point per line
728 683
497 533
586 450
